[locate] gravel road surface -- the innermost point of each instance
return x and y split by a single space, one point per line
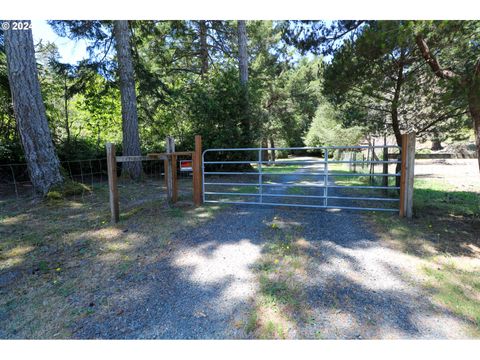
203 287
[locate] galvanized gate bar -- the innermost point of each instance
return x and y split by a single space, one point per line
303 196
302 205
306 174
308 148
308 185
322 179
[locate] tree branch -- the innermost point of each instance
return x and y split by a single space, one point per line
432 61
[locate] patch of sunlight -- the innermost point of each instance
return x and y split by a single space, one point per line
11 262
204 215
271 322
104 234
473 248
362 266
209 265
450 325
399 231
74 204
118 246
303 243
334 210
14 220
17 251
466 263
427 248
231 264
282 224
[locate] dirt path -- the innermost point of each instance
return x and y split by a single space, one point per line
205 286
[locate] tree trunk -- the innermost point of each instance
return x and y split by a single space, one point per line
203 47
67 123
436 144
243 69
272 152
394 114
42 161
385 158
474 108
264 152
242 52
131 139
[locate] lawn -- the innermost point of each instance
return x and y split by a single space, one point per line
56 255
443 236
281 168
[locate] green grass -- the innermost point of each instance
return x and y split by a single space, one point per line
280 304
437 196
281 169
296 190
355 180
444 235
456 289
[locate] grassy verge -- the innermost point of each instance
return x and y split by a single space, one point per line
438 197
280 306
443 236
61 260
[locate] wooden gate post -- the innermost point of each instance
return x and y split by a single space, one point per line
170 171
197 171
112 182
407 175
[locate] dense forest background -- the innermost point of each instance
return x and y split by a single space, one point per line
253 83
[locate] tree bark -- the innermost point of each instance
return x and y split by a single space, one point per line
474 108
264 152
394 113
242 52
203 47
42 161
65 98
436 142
385 165
131 139
272 152
243 69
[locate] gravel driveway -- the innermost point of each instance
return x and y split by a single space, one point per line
204 286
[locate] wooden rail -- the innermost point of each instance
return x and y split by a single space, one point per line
170 162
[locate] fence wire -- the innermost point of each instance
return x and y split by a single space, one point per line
15 182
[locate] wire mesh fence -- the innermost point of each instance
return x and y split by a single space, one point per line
15 183
15 180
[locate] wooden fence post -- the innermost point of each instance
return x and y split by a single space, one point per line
170 170
112 182
354 161
197 171
407 175
385 164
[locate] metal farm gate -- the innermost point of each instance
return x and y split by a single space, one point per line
330 177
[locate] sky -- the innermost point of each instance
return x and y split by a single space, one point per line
71 51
